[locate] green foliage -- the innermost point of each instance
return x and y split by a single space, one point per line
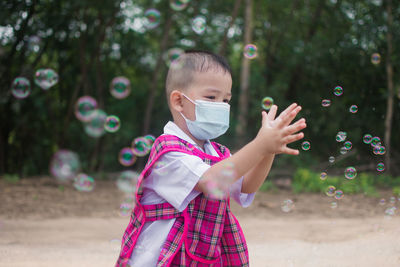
11 178
268 186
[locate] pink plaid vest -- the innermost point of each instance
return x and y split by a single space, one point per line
206 233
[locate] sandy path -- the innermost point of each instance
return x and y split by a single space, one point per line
272 242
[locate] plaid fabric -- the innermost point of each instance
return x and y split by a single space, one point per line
205 234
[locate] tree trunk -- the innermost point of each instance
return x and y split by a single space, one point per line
235 12
389 76
244 77
156 75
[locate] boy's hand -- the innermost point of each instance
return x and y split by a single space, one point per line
275 134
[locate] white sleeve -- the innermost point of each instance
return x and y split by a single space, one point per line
242 199
175 179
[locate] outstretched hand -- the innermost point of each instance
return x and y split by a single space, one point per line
276 133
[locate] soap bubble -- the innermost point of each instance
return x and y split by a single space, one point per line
199 24
353 109
250 51
331 159
64 165
326 103
171 57
46 78
367 139
341 136
159 166
347 145
339 194
375 58
306 145
392 200
178 5
95 127
126 156
83 182
343 150
84 108
380 167
112 124
390 211
334 205
126 182
338 91
350 173
153 18
140 146
323 176
382 201
287 205
120 87
330 191
150 139
376 141
217 187
34 43
267 103
21 88
125 209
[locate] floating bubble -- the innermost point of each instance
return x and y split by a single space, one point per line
375 141
227 173
306 145
347 145
153 18
140 146
125 209
159 166
331 159
390 211
95 127
178 5
323 176
375 58
84 108
214 189
199 24
126 182
343 150
339 194
250 51
112 124
380 167
21 88
46 78
267 103
287 205
64 165
34 43
367 139
338 91
341 136
382 201
115 244
353 109
120 87
150 139
126 156
334 205
171 57
84 183
326 103
350 173
392 200
330 191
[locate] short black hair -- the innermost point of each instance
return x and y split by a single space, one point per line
180 73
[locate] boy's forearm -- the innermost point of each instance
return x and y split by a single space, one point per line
255 177
242 161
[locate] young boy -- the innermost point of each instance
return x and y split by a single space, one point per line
176 222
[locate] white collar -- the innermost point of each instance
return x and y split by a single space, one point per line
173 129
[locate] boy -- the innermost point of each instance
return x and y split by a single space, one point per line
175 221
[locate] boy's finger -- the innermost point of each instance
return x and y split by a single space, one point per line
297 126
288 119
263 118
287 110
290 151
272 112
292 138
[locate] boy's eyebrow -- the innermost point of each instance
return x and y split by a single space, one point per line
216 91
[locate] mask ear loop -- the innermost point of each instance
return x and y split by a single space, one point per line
188 98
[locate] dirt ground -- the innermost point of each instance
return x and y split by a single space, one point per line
43 224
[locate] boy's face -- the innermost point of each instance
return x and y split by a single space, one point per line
214 86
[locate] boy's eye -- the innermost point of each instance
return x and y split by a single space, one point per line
210 97
226 101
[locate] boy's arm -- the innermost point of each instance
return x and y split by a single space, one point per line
255 177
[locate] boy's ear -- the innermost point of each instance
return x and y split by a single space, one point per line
175 100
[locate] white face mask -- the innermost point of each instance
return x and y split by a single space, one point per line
212 119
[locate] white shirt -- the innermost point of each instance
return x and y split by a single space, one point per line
174 182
